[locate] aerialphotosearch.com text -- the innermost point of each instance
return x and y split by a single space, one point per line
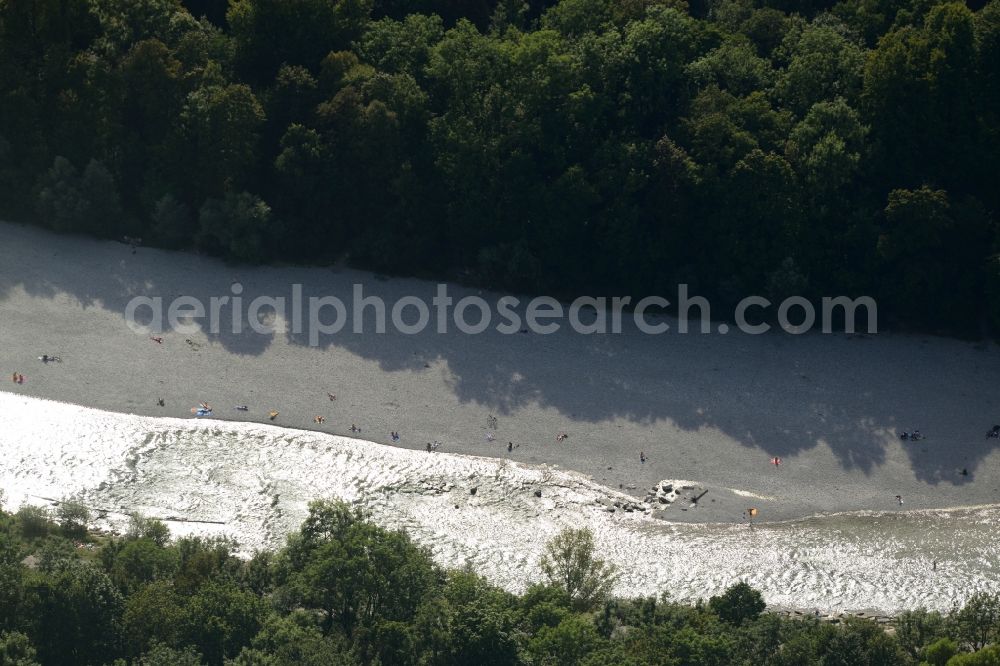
319 316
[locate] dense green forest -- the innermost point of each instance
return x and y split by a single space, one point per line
769 147
344 592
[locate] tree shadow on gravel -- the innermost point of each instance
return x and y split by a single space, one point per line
779 393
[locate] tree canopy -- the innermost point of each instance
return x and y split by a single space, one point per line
345 592
825 148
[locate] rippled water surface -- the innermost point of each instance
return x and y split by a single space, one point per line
253 482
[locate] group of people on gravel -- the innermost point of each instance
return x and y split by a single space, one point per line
906 435
19 378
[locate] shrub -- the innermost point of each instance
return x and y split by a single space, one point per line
73 518
33 521
569 563
738 604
